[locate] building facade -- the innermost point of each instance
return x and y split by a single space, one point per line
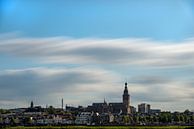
118 108
144 108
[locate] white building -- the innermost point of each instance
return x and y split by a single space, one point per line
84 118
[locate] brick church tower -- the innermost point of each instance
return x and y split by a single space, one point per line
126 101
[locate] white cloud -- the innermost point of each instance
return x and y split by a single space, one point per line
146 53
83 84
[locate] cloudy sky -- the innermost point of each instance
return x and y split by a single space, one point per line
83 51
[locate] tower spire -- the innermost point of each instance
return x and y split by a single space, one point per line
126 100
31 104
62 103
125 84
104 100
126 89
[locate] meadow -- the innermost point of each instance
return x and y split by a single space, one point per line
102 127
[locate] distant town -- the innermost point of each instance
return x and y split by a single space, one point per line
114 113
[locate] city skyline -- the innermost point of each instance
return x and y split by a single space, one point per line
84 51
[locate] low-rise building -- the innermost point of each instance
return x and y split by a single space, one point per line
133 109
84 118
154 111
144 108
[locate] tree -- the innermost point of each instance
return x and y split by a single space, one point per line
148 118
155 118
192 118
163 118
136 119
186 118
142 119
182 118
126 119
4 111
28 120
187 112
131 120
51 110
1 120
169 115
14 121
177 118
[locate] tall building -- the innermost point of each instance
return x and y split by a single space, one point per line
144 108
126 100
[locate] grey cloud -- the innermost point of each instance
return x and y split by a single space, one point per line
150 80
84 86
42 83
144 53
88 84
162 89
106 54
158 94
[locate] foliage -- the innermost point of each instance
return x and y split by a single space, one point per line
4 111
126 119
14 121
51 110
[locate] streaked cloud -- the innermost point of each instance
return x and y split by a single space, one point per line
86 85
101 51
162 73
46 85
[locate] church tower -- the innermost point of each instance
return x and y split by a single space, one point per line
31 104
126 101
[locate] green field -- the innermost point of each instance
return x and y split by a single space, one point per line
103 127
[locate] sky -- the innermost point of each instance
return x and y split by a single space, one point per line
84 51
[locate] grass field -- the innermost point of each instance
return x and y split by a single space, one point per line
103 127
